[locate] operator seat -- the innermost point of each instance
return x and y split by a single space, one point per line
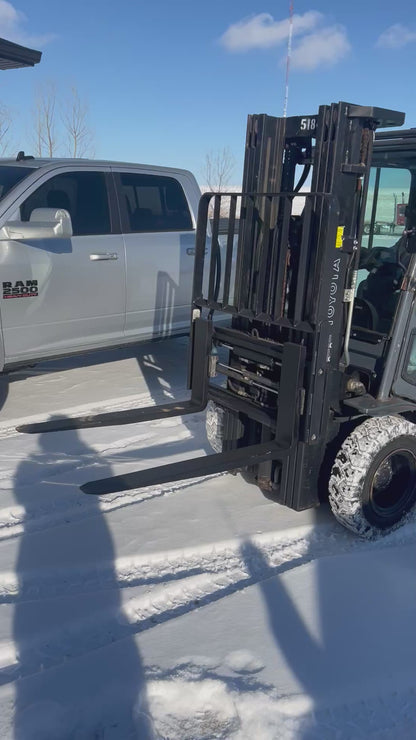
381 288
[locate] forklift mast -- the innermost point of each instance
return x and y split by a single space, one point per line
277 365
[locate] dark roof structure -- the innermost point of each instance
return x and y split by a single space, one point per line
13 55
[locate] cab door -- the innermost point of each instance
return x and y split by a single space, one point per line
382 261
404 384
159 236
76 297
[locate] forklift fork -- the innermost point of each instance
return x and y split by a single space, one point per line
185 469
283 426
115 418
198 369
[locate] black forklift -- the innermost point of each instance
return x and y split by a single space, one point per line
310 383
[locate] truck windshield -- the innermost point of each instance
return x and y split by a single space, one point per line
10 176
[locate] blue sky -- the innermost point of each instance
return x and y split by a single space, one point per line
169 81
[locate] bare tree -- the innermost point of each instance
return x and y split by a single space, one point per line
217 173
45 121
218 169
61 126
79 138
5 124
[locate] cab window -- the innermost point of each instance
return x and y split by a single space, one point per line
82 194
383 256
153 203
385 214
10 176
409 367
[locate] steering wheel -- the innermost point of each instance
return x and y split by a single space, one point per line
376 256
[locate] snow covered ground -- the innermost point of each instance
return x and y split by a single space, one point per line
189 611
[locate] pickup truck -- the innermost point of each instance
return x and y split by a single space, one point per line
92 255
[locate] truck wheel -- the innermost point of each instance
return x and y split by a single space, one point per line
373 479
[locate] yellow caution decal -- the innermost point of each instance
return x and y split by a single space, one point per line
340 236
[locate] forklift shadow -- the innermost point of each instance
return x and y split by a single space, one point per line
76 361
172 302
328 656
159 370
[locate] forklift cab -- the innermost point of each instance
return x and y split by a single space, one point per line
384 267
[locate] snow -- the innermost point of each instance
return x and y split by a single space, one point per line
192 610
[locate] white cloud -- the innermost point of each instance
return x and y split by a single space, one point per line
12 24
395 37
10 18
314 43
325 46
262 31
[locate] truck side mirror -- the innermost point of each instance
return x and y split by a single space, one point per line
44 223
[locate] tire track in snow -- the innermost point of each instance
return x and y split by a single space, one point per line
77 458
56 510
8 429
18 521
161 587
54 464
293 547
154 568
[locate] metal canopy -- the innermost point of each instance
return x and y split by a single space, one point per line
13 56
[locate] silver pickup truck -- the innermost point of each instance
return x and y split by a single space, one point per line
92 255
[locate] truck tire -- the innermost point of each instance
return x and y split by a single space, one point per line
373 479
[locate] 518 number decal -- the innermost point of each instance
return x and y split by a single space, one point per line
308 124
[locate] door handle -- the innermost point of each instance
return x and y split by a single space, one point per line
191 251
103 256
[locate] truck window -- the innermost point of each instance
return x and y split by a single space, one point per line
10 176
82 194
153 203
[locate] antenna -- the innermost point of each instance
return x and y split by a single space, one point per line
289 54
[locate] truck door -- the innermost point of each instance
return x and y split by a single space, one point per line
80 296
159 237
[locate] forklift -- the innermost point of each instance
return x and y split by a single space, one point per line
309 378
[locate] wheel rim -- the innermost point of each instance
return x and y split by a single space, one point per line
393 483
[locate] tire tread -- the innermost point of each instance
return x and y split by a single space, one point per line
351 465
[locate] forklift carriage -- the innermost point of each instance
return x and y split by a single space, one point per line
310 383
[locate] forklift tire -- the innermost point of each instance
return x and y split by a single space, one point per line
215 422
214 425
373 480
